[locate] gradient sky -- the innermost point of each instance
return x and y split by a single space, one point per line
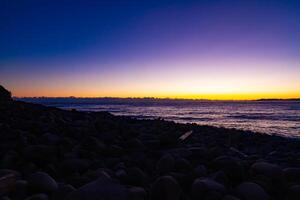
216 49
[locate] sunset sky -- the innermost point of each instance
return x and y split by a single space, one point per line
212 49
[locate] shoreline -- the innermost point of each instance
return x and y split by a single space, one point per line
46 150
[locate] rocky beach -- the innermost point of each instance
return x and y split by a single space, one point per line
49 153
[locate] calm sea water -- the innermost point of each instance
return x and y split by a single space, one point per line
270 117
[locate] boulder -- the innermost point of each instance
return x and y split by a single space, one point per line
136 176
183 165
231 166
269 170
74 165
40 196
102 188
230 197
200 171
202 188
292 175
21 190
62 191
251 191
137 193
41 182
165 164
165 188
293 193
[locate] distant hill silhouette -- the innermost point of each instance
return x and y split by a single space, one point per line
5 95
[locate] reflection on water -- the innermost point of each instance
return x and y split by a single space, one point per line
272 117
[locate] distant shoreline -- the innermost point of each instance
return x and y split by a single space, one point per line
145 98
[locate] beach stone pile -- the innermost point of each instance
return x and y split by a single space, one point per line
52 154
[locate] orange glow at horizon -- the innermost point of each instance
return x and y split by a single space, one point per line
186 79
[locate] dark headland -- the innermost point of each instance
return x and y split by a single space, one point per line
49 153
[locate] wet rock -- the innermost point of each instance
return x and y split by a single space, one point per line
4 198
230 197
93 144
135 144
115 150
230 166
76 165
293 193
62 191
165 164
165 188
292 175
270 176
136 177
183 165
270 170
200 171
103 188
7 183
202 188
50 139
38 197
220 177
21 190
4 172
251 191
40 154
41 182
137 193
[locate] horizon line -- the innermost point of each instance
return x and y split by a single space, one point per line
156 98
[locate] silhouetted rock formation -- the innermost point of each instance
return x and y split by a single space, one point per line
5 95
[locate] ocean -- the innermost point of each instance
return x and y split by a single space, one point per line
266 117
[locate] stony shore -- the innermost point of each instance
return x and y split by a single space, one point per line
48 153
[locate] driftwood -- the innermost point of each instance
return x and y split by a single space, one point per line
185 135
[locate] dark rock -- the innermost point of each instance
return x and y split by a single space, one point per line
183 165
165 164
103 188
135 144
165 188
62 192
4 172
230 197
231 167
200 171
115 150
4 198
251 191
202 187
220 177
7 182
21 190
293 193
50 139
5 95
93 144
40 154
137 193
38 197
76 165
136 177
270 170
270 176
292 175
41 182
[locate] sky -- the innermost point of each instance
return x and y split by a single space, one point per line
206 49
